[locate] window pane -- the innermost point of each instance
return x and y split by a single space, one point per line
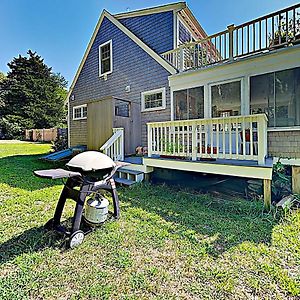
105 54
287 98
278 95
77 113
196 103
180 102
84 111
105 66
189 104
262 96
226 98
153 100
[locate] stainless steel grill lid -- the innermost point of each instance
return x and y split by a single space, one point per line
91 161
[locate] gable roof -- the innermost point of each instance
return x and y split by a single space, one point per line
133 37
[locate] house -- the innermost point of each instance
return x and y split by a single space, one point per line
228 103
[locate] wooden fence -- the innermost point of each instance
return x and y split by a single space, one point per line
44 135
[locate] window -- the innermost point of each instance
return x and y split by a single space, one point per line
226 99
122 108
105 58
189 104
278 95
80 112
154 100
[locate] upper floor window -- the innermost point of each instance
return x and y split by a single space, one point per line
154 99
278 95
105 58
80 112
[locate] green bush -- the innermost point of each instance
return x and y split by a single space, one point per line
61 143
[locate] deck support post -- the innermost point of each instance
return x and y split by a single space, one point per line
267 194
194 143
296 179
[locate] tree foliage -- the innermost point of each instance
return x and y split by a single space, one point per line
33 95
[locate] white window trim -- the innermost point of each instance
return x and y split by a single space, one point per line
143 94
111 58
78 106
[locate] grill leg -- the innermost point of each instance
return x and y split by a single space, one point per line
79 206
115 199
61 203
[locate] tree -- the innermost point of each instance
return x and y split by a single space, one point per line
2 78
33 95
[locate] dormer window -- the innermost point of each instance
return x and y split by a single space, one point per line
105 58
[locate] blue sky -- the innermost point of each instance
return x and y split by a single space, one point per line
59 30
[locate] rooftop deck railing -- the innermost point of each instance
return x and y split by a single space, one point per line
237 138
272 31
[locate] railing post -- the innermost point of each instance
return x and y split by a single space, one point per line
262 139
122 144
194 142
149 137
230 29
181 59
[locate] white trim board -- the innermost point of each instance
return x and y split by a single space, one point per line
151 10
133 37
257 172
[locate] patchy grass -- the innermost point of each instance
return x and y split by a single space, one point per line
167 245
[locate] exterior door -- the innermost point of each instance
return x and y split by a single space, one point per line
127 116
99 122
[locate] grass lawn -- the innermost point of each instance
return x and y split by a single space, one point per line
167 245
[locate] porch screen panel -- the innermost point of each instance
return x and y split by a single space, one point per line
278 95
226 99
189 104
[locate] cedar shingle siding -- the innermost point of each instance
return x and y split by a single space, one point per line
284 144
131 66
155 30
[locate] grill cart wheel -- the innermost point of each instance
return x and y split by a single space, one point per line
76 239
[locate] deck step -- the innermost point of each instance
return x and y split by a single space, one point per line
128 171
124 181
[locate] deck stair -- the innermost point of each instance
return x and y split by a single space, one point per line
127 177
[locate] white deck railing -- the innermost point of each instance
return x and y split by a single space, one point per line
114 147
278 29
238 137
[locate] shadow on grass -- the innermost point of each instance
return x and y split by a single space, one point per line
17 172
32 240
35 239
230 222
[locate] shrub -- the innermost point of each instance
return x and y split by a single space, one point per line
61 143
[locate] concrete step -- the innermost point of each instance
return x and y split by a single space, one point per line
124 181
129 171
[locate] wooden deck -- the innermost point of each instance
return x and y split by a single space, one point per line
238 168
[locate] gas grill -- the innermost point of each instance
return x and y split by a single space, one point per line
88 174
